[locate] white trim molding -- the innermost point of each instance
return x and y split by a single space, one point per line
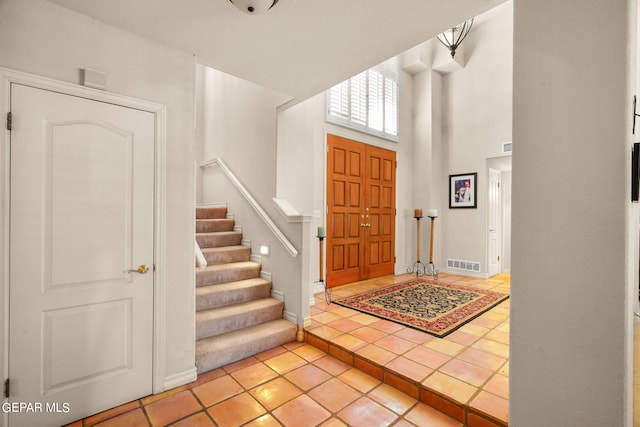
181 378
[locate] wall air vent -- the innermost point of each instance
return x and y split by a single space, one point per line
507 147
463 265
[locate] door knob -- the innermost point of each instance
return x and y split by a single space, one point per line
143 269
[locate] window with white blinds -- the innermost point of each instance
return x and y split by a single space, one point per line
368 102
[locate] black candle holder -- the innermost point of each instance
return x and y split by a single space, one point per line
327 291
428 269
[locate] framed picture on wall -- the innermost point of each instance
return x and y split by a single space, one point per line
463 191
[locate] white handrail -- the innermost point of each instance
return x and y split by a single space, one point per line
261 213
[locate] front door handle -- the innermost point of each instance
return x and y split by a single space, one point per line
142 269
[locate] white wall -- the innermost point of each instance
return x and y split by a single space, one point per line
239 126
43 39
571 293
477 104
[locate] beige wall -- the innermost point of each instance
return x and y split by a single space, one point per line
40 38
571 291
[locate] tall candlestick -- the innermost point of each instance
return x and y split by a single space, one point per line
417 213
321 232
431 242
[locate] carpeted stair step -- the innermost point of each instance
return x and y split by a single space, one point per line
214 352
211 213
220 295
221 320
214 225
223 273
226 254
219 239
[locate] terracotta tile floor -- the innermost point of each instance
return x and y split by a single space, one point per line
355 370
464 375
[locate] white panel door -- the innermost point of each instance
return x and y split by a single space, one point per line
82 209
495 204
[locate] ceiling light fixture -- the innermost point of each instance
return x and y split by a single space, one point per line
253 7
452 38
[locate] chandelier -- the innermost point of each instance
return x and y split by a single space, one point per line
453 37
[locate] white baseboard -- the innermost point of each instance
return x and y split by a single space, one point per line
318 288
466 274
279 295
181 378
291 317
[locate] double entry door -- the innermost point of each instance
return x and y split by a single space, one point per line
361 211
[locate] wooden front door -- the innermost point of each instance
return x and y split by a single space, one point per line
361 211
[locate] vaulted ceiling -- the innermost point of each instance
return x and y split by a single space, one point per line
299 47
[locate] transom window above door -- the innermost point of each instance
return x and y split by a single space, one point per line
368 102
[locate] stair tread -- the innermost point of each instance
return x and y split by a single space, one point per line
219 233
210 225
259 330
217 212
234 309
226 248
224 294
223 287
220 350
230 266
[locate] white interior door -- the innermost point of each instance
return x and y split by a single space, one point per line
82 209
505 185
494 223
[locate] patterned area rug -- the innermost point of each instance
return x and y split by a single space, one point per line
434 307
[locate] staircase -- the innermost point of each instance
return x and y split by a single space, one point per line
235 314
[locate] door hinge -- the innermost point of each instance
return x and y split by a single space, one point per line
6 388
9 120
